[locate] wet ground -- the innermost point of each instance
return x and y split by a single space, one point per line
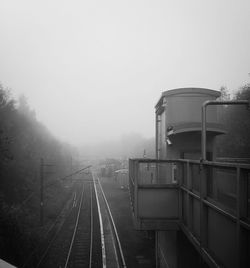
138 246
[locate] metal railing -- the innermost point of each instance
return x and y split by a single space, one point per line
213 204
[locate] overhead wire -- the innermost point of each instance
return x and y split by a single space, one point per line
65 177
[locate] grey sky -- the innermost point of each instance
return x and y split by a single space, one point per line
93 70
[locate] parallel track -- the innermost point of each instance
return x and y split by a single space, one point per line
81 241
35 255
78 243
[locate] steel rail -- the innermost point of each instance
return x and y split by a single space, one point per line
123 263
76 225
104 264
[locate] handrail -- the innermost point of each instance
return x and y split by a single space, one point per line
190 161
159 186
206 198
152 160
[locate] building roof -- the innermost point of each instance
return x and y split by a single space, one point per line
187 90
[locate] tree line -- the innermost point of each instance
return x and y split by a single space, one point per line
23 142
236 119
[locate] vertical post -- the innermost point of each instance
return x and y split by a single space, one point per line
204 131
238 215
71 168
130 183
189 204
156 136
41 190
156 145
242 200
203 207
156 250
180 171
136 167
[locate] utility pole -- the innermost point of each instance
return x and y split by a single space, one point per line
41 190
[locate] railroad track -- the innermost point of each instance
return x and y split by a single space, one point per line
88 236
114 256
78 242
51 233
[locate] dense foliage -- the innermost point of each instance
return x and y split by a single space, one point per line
236 143
23 142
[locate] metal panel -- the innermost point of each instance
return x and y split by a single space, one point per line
222 238
158 203
196 218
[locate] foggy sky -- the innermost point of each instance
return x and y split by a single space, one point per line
93 70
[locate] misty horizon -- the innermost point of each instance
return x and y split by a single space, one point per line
93 71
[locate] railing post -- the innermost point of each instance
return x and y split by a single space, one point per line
130 183
189 199
238 215
156 250
129 169
203 207
180 182
136 166
41 190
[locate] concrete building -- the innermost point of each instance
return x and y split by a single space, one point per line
198 208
